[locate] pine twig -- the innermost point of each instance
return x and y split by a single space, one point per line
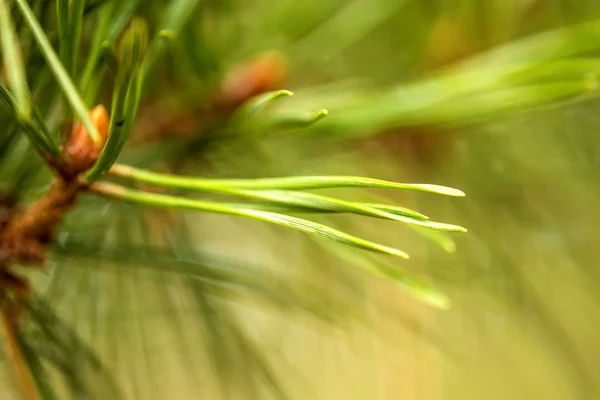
16 358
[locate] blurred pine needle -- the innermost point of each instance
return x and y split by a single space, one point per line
160 302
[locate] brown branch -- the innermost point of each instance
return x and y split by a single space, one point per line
25 379
25 235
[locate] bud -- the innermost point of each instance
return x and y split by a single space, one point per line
80 151
265 73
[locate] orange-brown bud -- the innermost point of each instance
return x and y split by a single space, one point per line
265 73
80 151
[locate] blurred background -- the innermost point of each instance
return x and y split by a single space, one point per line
497 98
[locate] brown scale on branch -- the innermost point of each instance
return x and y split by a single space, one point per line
25 233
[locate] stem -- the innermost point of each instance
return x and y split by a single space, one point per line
21 369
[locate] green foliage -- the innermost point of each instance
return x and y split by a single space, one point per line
127 253
126 96
13 61
57 69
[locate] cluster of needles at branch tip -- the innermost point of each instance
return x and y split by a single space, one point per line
89 153
86 160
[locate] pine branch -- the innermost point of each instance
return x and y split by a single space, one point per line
24 376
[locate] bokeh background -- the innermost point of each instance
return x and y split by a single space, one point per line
496 98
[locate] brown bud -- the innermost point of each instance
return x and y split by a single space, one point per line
265 73
80 150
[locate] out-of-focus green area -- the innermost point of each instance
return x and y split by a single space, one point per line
525 309
497 98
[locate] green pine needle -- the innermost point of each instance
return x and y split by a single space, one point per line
58 70
165 201
126 96
287 183
258 103
13 61
296 121
39 137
